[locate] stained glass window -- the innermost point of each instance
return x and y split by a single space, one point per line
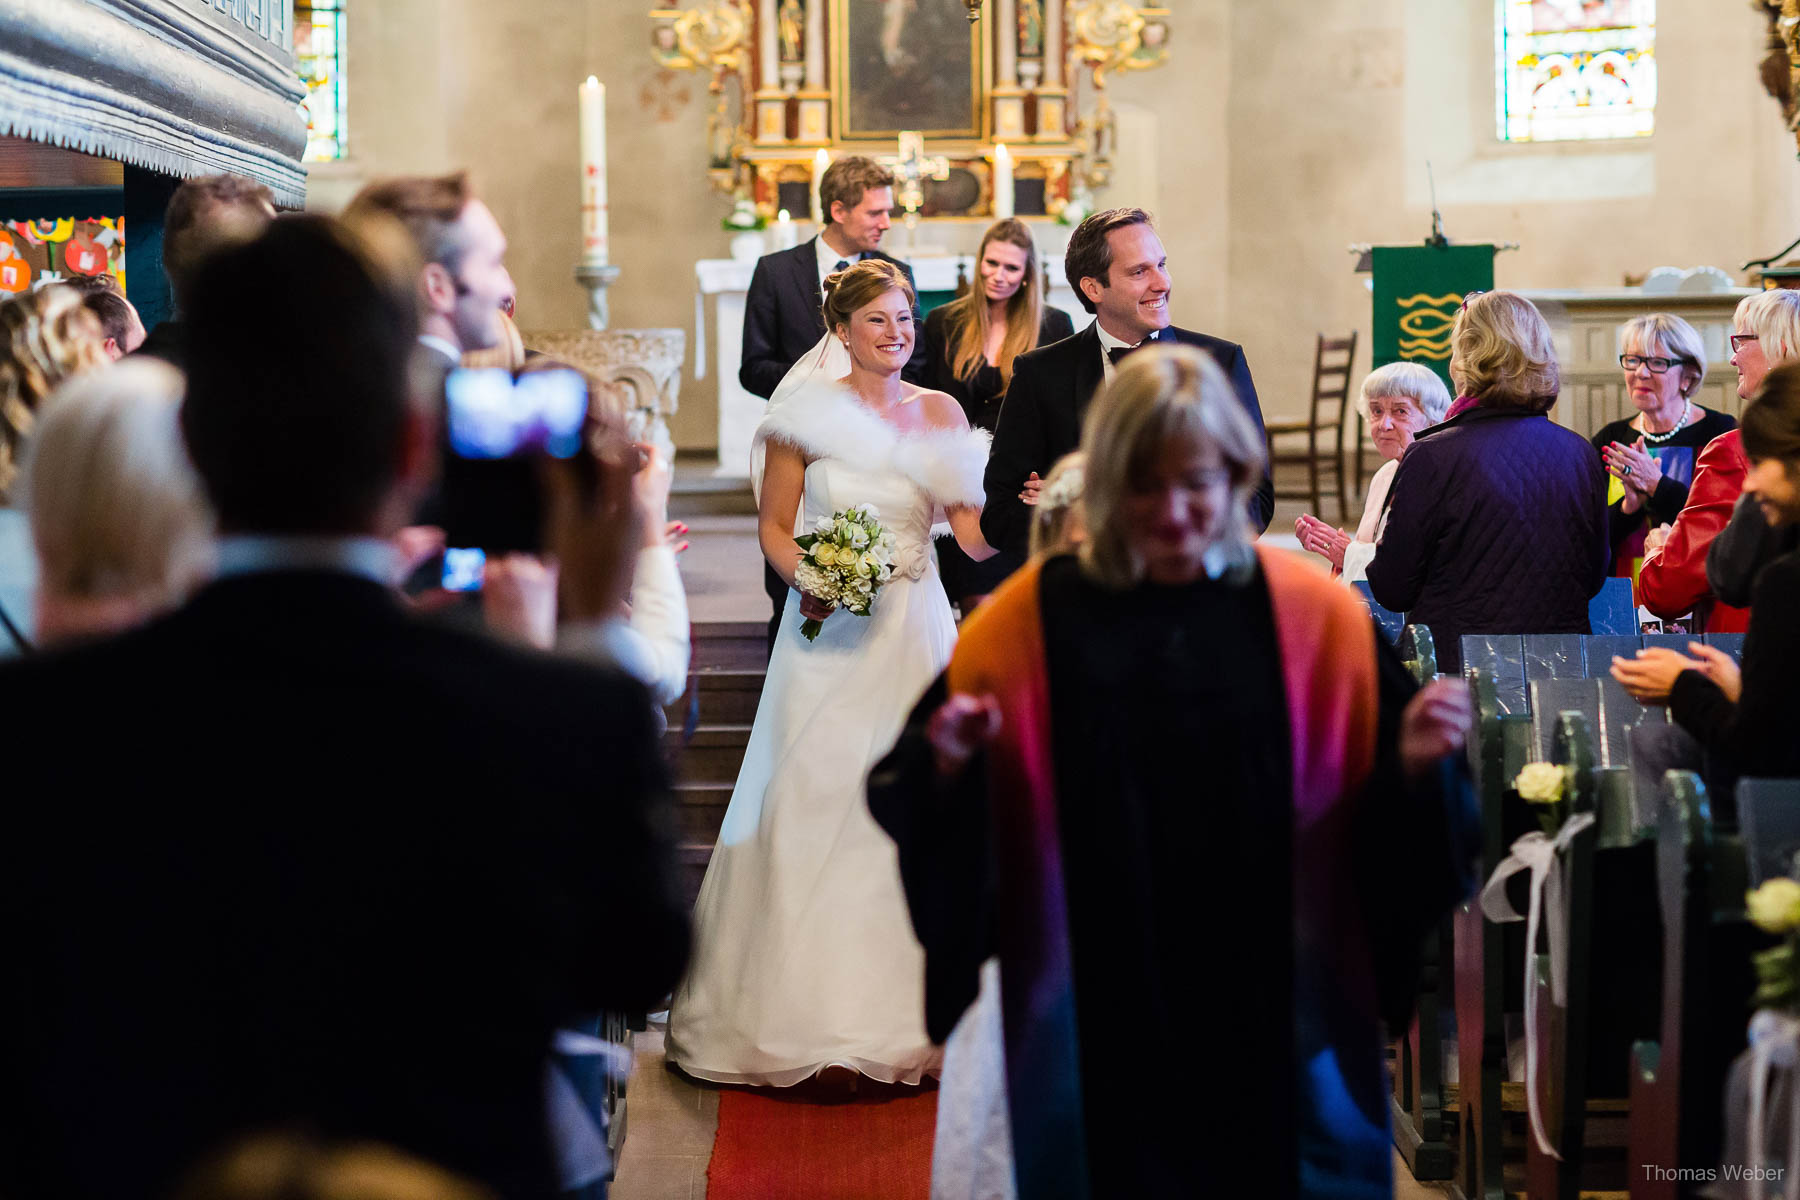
1570 70
319 54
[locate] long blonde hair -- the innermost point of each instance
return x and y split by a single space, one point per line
45 337
966 320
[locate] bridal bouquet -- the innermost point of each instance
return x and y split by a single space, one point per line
847 557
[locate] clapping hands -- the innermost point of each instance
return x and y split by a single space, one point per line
1435 724
1635 467
1651 675
1322 539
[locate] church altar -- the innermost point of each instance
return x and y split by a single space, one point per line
728 279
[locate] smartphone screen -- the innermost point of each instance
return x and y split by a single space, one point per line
498 431
492 415
463 568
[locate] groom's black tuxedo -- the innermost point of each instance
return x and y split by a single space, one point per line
1040 421
782 319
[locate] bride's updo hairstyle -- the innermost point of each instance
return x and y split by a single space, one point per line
859 285
1159 395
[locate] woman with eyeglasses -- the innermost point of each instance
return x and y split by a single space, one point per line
1650 456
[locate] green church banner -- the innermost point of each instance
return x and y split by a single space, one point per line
1417 292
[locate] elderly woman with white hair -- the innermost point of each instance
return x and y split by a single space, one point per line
1651 455
1399 401
122 530
1177 738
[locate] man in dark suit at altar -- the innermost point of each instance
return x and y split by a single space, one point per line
781 313
391 858
1116 264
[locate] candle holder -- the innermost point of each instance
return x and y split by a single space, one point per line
595 278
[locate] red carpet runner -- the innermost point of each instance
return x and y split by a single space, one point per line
774 1144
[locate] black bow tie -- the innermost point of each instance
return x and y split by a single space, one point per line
1118 352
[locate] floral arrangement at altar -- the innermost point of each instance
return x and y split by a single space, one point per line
744 217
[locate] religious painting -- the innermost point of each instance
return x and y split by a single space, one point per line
908 64
1576 69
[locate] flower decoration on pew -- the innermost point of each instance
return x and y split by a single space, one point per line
1775 908
1543 785
848 557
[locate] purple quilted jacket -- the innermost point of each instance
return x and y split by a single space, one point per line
1496 524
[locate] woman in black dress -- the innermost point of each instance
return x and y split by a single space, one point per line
970 345
1650 456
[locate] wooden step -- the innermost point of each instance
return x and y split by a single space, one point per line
698 490
700 810
728 697
730 645
715 753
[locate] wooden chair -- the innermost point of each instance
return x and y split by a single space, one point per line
1324 427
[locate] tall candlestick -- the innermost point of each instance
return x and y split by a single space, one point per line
1003 182
593 172
784 231
821 160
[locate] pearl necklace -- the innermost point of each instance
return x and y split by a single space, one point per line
1657 439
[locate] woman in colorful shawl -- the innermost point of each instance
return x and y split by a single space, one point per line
1201 814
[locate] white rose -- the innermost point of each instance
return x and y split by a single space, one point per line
1775 906
1539 783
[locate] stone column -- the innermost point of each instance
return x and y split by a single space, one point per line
1052 96
815 99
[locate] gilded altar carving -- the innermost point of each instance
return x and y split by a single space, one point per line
1030 73
1780 67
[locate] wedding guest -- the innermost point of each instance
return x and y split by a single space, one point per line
508 351
1651 456
1116 264
402 855
120 324
1497 517
1766 334
1056 521
276 1166
971 345
783 317
1745 719
205 215
46 336
463 282
1042 813
121 529
1399 401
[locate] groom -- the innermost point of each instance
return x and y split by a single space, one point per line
781 314
1116 264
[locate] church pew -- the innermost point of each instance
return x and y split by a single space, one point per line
1677 1081
1768 813
1498 750
1417 1109
1613 951
1503 672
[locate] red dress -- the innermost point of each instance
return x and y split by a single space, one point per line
1673 582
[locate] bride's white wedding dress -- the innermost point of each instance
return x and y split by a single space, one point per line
804 955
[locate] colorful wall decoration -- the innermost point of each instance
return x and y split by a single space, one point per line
33 253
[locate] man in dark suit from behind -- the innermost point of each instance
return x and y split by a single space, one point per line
782 320
204 215
289 858
1117 266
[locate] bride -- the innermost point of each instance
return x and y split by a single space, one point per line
804 955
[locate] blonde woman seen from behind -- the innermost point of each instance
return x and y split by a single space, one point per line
1056 519
121 529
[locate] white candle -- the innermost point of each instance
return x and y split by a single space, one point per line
784 230
593 172
1003 182
821 160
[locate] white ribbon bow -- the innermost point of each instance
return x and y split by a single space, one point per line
1774 1047
1541 855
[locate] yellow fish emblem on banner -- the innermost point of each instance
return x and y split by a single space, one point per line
1425 326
